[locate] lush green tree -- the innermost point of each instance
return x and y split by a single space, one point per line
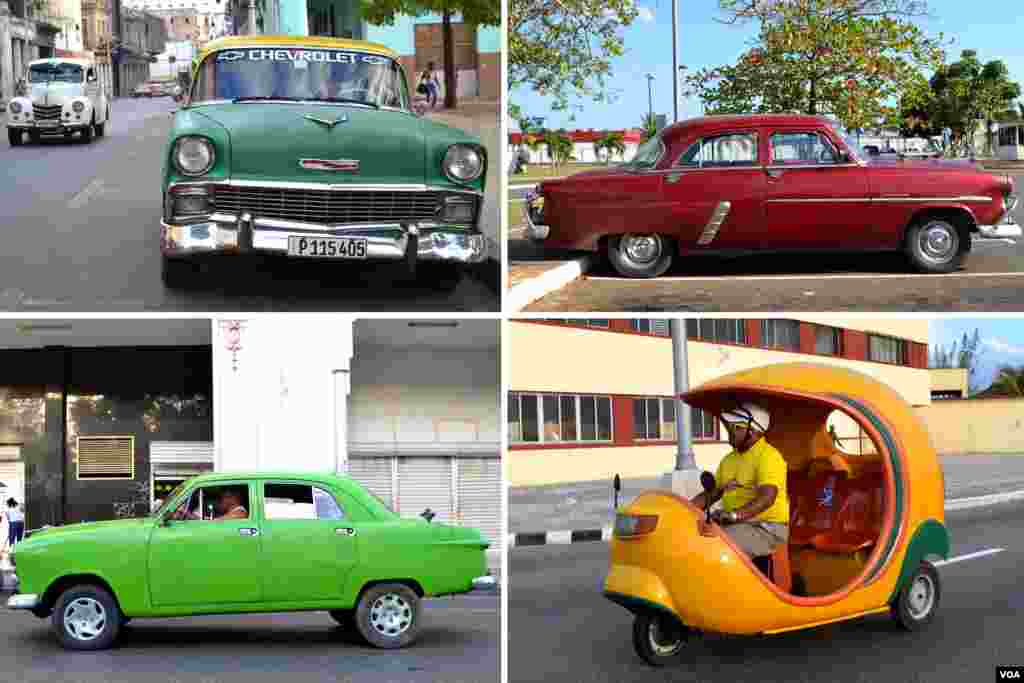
612 143
475 12
563 49
1009 382
648 126
847 58
965 355
559 146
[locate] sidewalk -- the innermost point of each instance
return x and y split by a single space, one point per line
587 506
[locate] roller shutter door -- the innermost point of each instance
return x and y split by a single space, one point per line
480 496
375 475
425 482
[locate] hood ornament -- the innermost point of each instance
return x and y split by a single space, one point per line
350 165
324 122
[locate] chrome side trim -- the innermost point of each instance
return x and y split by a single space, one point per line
714 224
785 167
968 198
339 187
847 200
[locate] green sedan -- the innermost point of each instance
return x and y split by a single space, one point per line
309 148
242 543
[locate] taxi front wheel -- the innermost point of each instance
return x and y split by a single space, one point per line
658 639
916 604
86 617
388 615
640 255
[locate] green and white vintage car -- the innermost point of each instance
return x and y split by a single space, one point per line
241 543
309 147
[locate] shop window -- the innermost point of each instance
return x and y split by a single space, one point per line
887 349
299 501
565 418
657 327
781 334
725 331
827 340
654 419
106 457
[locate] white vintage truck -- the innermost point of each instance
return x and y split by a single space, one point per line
62 96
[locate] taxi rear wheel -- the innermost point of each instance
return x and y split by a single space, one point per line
658 639
86 617
640 255
388 615
936 245
916 604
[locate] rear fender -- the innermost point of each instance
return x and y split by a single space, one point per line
639 590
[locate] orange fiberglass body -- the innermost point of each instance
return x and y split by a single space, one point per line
862 524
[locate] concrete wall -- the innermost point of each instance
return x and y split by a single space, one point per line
975 426
949 379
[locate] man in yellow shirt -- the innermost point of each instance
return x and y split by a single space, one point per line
751 482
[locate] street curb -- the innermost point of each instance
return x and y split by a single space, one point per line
605 533
521 187
525 293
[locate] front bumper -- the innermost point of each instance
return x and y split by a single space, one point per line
533 210
484 583
1006 231
60 129
23 601
228 233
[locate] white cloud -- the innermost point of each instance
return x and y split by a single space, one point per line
1002 347
645 14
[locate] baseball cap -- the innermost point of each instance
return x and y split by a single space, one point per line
748 413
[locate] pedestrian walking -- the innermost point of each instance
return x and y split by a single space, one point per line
429 85
15 523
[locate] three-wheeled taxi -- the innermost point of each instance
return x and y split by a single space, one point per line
866 516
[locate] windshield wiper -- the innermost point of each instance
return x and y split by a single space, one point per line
262 98
347 100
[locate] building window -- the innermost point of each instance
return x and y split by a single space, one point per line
106 457
654 419
705 425
781 334
886 349
728 331
658 327
827 340
565 418
597 323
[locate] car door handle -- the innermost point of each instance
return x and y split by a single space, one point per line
345 531
248 531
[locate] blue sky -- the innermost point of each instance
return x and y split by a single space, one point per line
1002 341
993 27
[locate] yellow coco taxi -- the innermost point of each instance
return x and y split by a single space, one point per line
865 518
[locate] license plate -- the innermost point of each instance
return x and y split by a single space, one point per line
327 247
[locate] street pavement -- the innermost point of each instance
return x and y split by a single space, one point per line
590 504
992 280
562 629
460 642
80 229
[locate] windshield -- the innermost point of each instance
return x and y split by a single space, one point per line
851 142
302 75
647 154
59 71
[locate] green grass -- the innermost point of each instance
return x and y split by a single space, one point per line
542 171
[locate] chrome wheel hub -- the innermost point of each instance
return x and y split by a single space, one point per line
85 619
641 249
938 242
921 597
665 640
390 615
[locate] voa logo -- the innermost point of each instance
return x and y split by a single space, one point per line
1009 675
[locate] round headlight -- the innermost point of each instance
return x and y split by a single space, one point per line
193 155
15 108
463 163
78 106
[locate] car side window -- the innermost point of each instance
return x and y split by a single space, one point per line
721 151
802 149
206 503
299 501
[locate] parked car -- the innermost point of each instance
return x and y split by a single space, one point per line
308 147
747 184
287 542
62 97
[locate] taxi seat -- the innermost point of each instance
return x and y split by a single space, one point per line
858 519
813 504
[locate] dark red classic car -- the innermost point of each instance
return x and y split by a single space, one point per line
739 184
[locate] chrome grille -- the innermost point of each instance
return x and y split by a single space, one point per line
326 206
46 113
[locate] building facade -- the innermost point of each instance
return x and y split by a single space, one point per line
143 36
583 146
26 34
594 398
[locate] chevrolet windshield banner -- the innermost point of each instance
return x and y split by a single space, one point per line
324 56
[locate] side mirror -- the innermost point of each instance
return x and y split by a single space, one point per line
428 515
616 486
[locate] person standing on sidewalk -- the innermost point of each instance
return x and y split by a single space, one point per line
15 523
430 84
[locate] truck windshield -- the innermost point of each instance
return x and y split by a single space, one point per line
55 71
647 154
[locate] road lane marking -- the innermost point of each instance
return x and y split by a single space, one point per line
969 556
978 501
87 193
816 278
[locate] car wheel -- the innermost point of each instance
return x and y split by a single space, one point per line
659 639
86 618
936 245
638 255
14 137
388 615
344 617
916 604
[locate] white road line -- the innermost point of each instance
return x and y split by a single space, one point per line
523 187
816 278
969 556
978 501
87 193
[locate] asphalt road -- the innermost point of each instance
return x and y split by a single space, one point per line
992 279
460 642
562 629
80 226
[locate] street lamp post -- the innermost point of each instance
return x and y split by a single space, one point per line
675 61
650 96
685 478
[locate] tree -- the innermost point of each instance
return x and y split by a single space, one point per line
847 58
648 126
966 92
474 12
1009 382
559 146
612 143
563 49
967 355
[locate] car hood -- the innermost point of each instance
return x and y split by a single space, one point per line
54 532
55 92
268 140
591 174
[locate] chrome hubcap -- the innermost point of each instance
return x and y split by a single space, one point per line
938 242
665 640
391 615
921 597
641 249
85 619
